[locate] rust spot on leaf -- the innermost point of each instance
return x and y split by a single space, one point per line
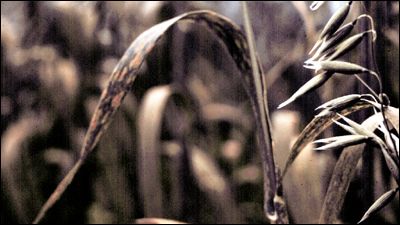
136 61
116 101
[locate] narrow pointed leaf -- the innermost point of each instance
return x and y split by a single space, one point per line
125 72
344 141
314 128
382 201
330 139
346 127
311 85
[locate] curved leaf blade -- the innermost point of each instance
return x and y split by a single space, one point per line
149 130
125 72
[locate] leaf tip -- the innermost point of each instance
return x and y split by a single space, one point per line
285 103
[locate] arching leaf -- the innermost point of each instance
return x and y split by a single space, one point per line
125 72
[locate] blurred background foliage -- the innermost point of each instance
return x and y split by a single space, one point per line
56 58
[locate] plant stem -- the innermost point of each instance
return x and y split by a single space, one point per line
275 210
367 86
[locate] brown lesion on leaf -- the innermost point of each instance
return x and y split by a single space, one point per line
136 61
116 101
121 74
